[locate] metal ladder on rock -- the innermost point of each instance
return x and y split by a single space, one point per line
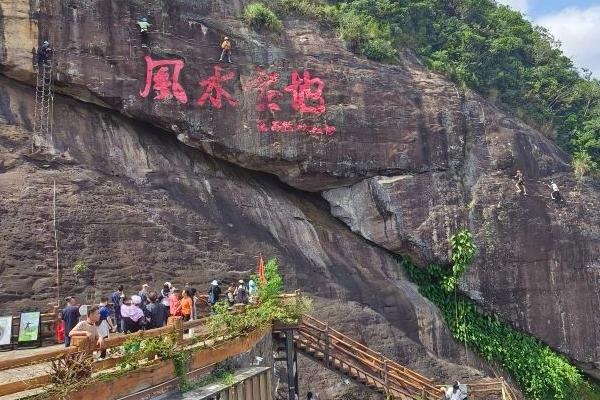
44 107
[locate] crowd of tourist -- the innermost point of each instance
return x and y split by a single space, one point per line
146 309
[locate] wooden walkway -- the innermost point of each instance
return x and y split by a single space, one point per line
345 355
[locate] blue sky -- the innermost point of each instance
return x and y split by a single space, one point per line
537 8
575 23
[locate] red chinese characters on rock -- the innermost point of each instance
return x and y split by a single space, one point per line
291 126
213 89
306 92
307 98
163 77
165 86
266 96
306 89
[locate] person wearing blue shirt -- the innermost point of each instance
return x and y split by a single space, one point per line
117 300
70 317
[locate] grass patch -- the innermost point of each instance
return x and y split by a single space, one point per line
261 17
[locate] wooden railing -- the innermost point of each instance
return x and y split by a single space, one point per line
45 356
176 326
342 352
498 388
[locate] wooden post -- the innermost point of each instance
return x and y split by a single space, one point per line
77 341
385 377
326 345
177 324
503 393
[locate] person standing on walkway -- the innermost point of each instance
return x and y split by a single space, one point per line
144 294
70 317
241 293
89 330
106 324
252 291
155 312
165 293
231 294
117 299
133 317
186 305
143 24
214 292
175 303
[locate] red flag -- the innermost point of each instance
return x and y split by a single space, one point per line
261 270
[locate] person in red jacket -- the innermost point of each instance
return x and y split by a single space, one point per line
175 304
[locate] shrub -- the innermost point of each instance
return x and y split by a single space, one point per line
259 16
378 50
80 267
269 308
583 164
323 13
356 29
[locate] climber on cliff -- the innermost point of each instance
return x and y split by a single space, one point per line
144 25
520 182
226 50
44 53
555 195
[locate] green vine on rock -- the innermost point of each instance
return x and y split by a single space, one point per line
542 373
463 251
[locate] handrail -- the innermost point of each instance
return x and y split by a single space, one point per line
53 354
390 376
367 350
312 329
484 388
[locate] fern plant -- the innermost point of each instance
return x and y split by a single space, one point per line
80 267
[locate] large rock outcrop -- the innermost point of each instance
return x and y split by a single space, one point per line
403 157
138 206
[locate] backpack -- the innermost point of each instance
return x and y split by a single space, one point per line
242 295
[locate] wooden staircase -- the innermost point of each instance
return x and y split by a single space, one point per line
343 354
350 358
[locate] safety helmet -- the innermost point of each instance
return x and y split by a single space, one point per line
46 43
144 19
226 38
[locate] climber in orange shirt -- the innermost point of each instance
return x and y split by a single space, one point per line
226 46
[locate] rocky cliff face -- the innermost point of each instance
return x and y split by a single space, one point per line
139 206
402 156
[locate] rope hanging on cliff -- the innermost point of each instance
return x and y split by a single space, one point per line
465 332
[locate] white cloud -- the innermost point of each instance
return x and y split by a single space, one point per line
579 32
519 5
